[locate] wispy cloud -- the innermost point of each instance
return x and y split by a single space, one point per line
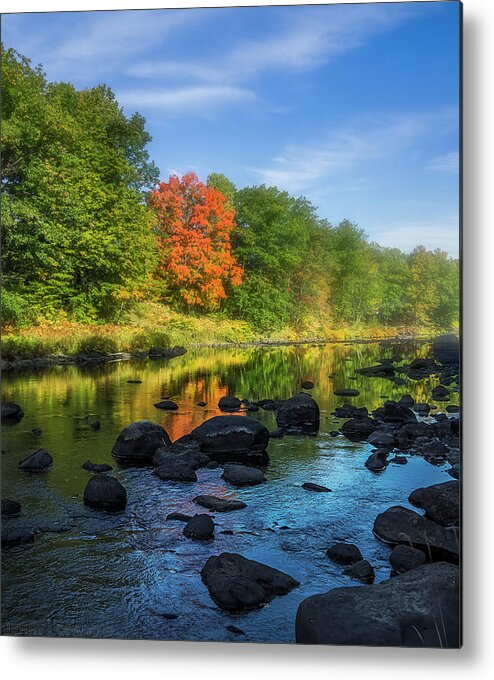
442 233
449 162
308 39
199 99
300 167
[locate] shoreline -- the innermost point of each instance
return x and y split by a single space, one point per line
94 358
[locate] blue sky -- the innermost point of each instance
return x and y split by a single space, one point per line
354 106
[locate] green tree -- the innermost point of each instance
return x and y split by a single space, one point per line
221 182
76 230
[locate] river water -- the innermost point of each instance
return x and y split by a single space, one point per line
133 574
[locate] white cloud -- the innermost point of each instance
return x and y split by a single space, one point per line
196 99
449 162
442 233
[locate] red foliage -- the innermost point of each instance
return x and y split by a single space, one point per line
194 224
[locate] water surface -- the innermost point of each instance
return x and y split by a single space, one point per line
92 574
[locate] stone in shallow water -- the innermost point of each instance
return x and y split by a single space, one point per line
199 527
346 392
362 571
10 508
344 553
105 493
38 461
167 405
237 584
242 475
137 443
298 415
311 486
403 558
401 612
441 502
219 504
233 438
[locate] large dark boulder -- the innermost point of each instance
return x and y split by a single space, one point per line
38 461
105 493
199 527
187 453
137 443
441 502
229 404
176 470
344 553
417 609
358 429
381 439
11 412
399 525
242 475
233 439
237 584
446 349
397 413
219 504
377 461
298 415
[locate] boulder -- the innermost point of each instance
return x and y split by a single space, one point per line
38 461
10 508
407 400
242 475
96 467
105 493
417 609
358 429
166 405
186 453
441 502
137 443
307 385
398 460
219 504
233 439
310 486
362 571
199 527
397 413
13 536
422 409
11 412
298 415
346 392
268 404
446 349
381 439
398 525
179 516
229 404
176 470
344 553
237 584
404 557
377 461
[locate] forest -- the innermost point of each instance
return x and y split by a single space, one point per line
90 233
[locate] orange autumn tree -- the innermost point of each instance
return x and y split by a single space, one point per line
194 223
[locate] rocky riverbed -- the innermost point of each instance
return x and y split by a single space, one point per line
291 494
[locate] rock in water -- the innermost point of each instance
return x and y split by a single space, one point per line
137 443
166 405
362 571
358 429
229 404
105 493
10 508
38 461
346 392
441 502
237 584
13 536
219 504
310 486
298 415
377 461
307 385
398 525
199 527
176 471
344 553
446 349
242 475
11 412
403 558
98 468
233 439
417 609
179 516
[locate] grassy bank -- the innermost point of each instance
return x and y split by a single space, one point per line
157 326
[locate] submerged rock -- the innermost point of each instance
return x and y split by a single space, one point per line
310 486
13 536
229 404
417 609
358 429
441 502
446 349
10 508
137 443
166 405
199 527
38 461
180 516
307 385
298 415
105 493
11 412
96 467
346 392
399 525
242 475
219 504
237 584
177 470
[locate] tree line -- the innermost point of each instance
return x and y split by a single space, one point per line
88 231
